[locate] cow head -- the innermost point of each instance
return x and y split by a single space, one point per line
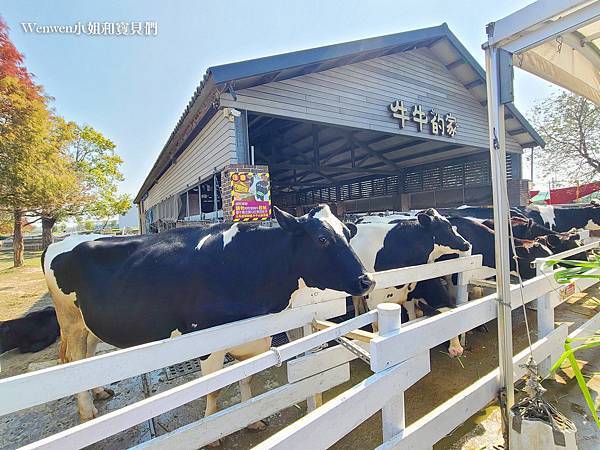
322 251
528 228
444 234
558 243
526 254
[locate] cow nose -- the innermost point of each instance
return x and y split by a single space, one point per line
366 283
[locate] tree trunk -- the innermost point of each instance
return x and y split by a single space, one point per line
47 224
18 243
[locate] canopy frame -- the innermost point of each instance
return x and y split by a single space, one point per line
536 24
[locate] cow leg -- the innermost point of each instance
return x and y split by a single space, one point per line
455 349
410 309
76 349
99 393
211 364
242 353
246 394
451 288
359 306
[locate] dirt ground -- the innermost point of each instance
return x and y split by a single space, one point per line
22 290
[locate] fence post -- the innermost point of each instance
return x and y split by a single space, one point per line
316 400
392 414
545 313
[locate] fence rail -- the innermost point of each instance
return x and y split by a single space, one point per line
397 366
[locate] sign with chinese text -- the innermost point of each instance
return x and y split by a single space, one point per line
439 124
566 291
250 196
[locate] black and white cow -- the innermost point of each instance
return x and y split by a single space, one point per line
557 242
136 289
429 297
477 212
384 246
525 228
31 333
564 217
482 239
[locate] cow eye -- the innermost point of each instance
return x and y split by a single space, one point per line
323 240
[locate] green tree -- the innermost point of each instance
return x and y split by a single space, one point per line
33 172
24 127
6 223
96 164
570 125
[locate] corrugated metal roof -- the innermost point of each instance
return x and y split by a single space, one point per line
259 71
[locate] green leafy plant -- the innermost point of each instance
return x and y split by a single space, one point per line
578 269
569 354
575 269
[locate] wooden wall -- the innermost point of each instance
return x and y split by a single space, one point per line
358 95
213 147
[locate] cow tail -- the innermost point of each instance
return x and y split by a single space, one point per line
42 259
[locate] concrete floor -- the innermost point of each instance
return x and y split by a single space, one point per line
448 377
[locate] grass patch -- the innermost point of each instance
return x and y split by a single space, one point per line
32 259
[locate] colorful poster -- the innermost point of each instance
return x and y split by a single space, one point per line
250 196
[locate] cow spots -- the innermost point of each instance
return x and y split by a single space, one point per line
326 216
440 250
591 225
202 241
175 333
369 241
547 213
229 234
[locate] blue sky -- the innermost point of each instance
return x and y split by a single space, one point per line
134 88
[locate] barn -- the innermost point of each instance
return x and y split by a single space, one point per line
395 122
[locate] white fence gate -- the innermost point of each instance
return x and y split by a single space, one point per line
396 367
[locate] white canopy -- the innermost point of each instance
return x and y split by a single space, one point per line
557 40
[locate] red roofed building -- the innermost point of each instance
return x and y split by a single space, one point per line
569 194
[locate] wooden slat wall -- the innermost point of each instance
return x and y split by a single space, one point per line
358 95
213 147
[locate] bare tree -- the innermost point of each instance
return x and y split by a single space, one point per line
570 125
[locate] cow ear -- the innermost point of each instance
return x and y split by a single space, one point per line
286 221
424 219
352 228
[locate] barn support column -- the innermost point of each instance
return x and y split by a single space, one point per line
242 147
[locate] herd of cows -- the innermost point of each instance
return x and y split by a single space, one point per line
136 289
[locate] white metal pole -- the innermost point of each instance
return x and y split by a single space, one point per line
501 218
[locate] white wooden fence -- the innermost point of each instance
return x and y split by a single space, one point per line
396 367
